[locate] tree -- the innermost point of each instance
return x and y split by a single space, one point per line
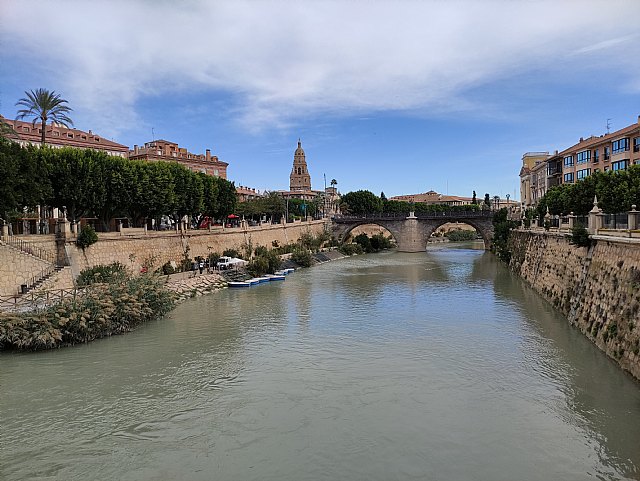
487 200
474 200
382 196
43 105
334 182
361 202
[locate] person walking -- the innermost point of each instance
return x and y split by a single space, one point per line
201 265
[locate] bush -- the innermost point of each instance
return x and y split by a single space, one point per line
114 272
232 253
350 249
460 235
302 257
168 269
100 310
363 241
266 263
580 236
86 237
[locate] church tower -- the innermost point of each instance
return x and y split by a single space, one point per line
299 178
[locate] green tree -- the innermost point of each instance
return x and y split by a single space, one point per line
227 198
362 202
487 200
42 105
474 200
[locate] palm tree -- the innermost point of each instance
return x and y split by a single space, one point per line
44 105
334 182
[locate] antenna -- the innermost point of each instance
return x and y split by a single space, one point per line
153 135
608 125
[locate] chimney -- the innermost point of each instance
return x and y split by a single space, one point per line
90 132
135 149
639 119
208 155
581 139
556 152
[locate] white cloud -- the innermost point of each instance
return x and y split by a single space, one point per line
283 59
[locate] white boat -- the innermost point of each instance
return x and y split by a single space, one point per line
239 284
276 277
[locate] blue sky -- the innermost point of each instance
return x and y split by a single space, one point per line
393 96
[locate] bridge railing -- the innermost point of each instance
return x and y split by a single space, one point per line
421 215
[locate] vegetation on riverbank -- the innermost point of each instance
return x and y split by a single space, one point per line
112 302
461 235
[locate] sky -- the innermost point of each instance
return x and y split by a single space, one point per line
399 97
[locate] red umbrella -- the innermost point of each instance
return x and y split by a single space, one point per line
232 216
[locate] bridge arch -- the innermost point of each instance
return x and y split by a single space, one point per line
412 233
343 234
482 228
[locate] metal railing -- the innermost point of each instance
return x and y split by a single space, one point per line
34 301
616 221
29 248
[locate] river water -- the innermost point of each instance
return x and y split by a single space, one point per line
433 366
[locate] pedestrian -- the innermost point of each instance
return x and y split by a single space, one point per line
201 266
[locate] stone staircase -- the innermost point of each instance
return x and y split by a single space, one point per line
32 266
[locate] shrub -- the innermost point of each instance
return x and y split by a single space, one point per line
350 249
102 273
363 241
86 237
168 269
580 236
266 263
232 253
101 309
460 235
302 257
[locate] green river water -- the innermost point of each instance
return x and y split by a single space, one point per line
439 365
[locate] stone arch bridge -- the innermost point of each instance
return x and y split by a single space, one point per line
412 232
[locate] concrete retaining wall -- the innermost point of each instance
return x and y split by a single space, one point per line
157 248
597 288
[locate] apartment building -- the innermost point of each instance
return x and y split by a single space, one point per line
614 151
172 152
533 177
609 152
58 136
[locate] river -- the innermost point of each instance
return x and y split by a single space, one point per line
433 366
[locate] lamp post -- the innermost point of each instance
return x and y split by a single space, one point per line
508 206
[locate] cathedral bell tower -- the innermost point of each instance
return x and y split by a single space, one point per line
299 178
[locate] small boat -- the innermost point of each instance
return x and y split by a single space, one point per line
276 277
239 284
253 281
289 270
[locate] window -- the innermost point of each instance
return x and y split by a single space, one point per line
583 173
636 144
620 165
568 161
595 156
607 153
568 178
584 156
621 145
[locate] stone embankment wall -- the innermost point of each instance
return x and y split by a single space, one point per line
597 288
157 248
16 268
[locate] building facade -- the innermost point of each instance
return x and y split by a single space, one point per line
58 136
532 182
433 197
171 152
608 152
